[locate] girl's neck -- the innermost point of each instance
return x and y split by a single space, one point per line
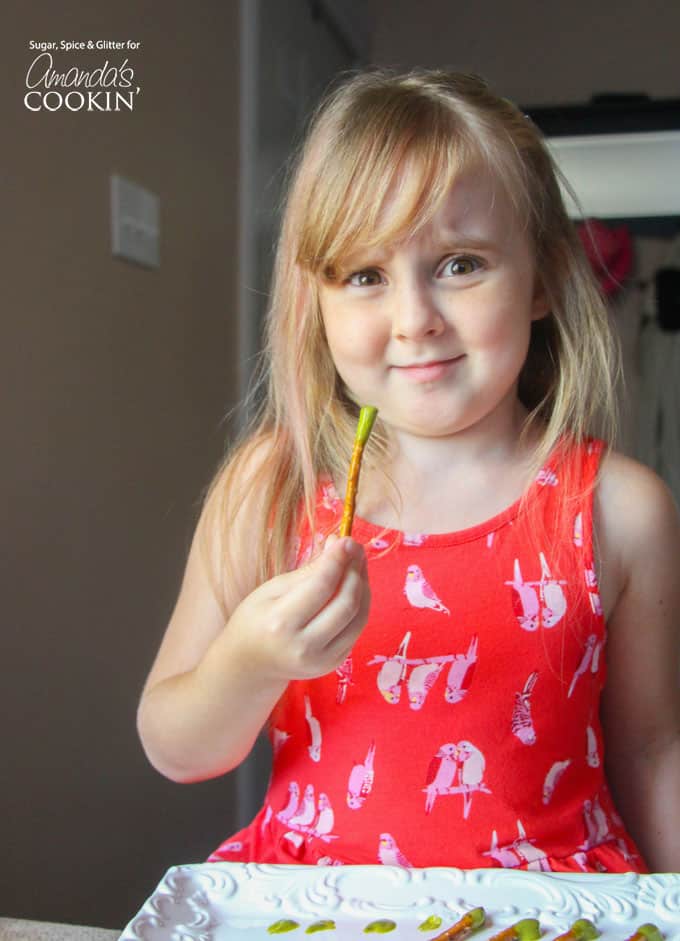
449 484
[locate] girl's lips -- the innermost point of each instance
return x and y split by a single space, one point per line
428 372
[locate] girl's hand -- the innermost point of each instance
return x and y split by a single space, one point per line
304 623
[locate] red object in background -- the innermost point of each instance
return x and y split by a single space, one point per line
610 252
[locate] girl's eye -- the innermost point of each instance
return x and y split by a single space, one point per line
461 265
367 278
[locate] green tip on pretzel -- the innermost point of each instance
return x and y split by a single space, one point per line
649 931
584 930
367 417
528 929
477 917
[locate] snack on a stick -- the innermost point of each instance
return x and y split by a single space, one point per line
528 929
470 922
581 930
646 932
366 419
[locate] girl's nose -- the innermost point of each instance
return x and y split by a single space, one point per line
416 313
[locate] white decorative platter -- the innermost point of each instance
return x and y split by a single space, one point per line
235 901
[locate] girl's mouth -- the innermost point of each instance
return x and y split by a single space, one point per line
429 372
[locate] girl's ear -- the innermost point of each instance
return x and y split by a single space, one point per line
540 307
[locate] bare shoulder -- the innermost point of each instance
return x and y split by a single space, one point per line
640 529
636 517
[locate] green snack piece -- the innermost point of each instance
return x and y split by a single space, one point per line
367 416
382 926
649 931
431 923
528 929
320 926
478 917
584 930
280 927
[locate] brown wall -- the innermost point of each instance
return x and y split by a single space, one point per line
115 380
538 52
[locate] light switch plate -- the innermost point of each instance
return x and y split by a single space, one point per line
135 222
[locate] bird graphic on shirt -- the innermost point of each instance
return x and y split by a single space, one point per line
552 777
470 777
293 802
344 673
585 662
278 738
578 530
460 673
360 780
421 680
392 672
440 774
524 600
521 723
419 592
389 853
314 748
306 811
552 596
592 753
323 825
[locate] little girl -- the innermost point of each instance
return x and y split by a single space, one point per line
506 693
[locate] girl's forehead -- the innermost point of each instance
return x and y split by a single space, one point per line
474 209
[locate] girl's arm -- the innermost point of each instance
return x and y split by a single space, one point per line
639 536
213 684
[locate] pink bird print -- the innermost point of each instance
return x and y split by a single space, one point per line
268 814
360 781
414 539
421 680
329 496
470 777
585 663
419 592
460 673
578 530
440 774
323 825
279 739
592 753
392 672
504 855
389 853
314 748
547 478
522 725
307 810
524 600
597 824
552 777
534 858
552 596
293 803
344 672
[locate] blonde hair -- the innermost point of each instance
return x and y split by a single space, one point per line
371 127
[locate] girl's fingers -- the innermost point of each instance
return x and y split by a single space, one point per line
307 591
338 624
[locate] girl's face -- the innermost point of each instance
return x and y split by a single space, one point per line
435 331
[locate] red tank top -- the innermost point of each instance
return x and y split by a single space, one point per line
463 729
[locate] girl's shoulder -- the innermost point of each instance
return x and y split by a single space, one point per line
635 517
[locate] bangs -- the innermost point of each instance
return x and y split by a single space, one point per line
380 183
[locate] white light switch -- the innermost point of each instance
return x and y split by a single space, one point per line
135 222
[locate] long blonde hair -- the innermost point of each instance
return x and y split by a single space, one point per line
369 128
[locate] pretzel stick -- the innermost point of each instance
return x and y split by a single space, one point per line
366 420
466 925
